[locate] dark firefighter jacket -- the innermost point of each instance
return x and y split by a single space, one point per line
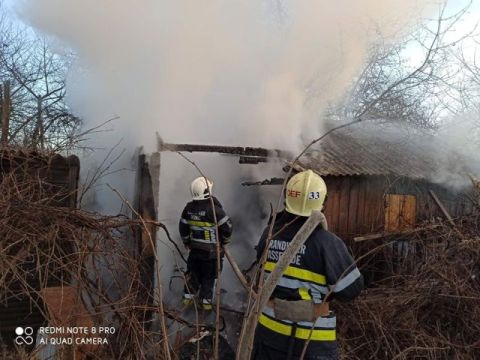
322 264
197 227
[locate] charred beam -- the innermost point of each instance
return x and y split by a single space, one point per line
272 181
248 155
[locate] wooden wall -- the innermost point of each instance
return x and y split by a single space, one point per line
356 204
145 205
457 202
58 175
59 178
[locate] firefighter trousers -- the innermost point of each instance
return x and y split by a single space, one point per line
269 345
201 275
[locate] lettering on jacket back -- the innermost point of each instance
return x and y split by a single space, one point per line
278 247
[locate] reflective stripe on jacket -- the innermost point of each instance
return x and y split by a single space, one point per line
197 224
322 265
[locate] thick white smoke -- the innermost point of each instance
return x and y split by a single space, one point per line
244 72
251 72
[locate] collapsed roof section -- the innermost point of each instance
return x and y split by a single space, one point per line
367 151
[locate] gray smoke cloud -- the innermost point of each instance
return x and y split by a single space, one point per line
446 155
456 148
255 73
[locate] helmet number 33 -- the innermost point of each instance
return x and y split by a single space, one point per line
314 195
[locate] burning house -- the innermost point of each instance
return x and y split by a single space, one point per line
385 186
375 186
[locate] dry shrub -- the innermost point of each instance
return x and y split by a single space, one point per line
43 245
427 306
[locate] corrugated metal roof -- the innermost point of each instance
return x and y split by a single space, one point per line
357 153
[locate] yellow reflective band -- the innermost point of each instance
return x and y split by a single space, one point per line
200 223
304 294
299 273
206 233
300 333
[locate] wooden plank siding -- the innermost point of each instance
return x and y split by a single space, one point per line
457 202
331 205
145 207
358 225
353 208
59 178
352 205
400 212
356 205
344 204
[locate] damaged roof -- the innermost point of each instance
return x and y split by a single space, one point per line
378 153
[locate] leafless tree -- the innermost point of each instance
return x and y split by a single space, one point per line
470 60
39 116
414 81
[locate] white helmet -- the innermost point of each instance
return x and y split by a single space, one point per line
201 188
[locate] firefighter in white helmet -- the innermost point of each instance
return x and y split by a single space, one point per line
198 231
298 310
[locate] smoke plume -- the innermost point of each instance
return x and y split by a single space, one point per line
249 72
254 73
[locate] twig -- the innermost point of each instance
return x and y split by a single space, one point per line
157 262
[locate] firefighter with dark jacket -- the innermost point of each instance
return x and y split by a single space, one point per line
198 231
297 313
